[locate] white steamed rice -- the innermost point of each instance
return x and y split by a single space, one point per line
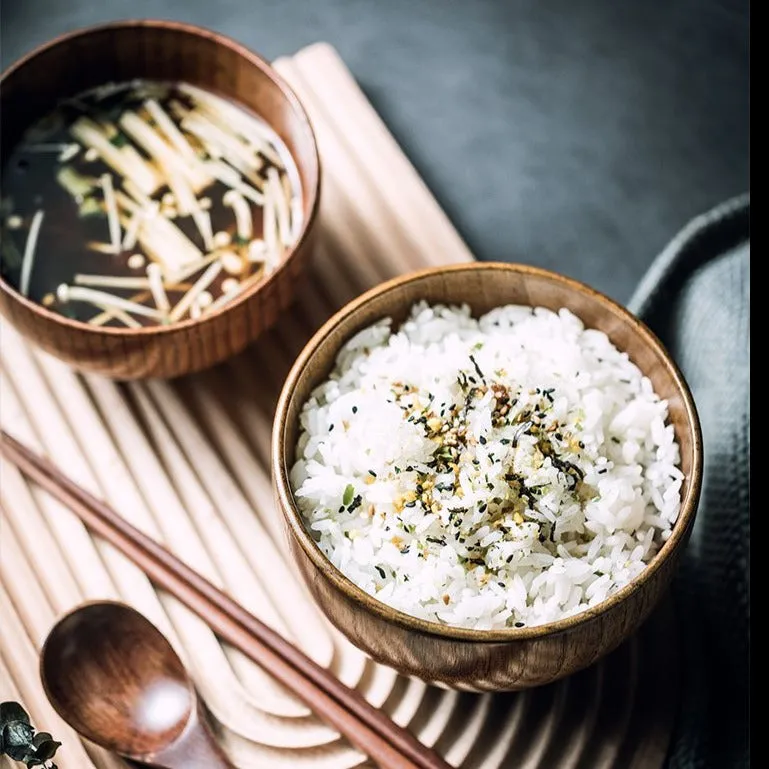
497 472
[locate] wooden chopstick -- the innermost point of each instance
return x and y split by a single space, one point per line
369 729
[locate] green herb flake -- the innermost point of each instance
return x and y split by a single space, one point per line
349 493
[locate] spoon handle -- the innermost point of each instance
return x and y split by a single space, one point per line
195 749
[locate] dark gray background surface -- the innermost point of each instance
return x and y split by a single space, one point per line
578 136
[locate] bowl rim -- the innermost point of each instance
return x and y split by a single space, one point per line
313 194
280 465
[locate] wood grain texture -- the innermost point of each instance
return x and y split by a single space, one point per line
188 463
480 659
166 51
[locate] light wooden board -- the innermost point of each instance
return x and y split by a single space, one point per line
187 462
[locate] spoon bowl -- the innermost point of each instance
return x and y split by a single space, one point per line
114 677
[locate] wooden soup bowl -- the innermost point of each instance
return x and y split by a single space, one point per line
488 660
166 51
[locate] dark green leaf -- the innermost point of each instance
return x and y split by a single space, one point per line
16 740
19 741
45 746
12 711
17 733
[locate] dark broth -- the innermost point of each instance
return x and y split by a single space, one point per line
70 223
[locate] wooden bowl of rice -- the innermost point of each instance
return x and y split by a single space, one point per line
172 52
430 622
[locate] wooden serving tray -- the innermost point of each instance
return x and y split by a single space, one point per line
188 462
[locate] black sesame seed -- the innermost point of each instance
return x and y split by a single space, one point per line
477 368
354 409
520 624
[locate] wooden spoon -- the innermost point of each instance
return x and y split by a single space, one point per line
116 680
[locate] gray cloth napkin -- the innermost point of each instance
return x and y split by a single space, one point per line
696 298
